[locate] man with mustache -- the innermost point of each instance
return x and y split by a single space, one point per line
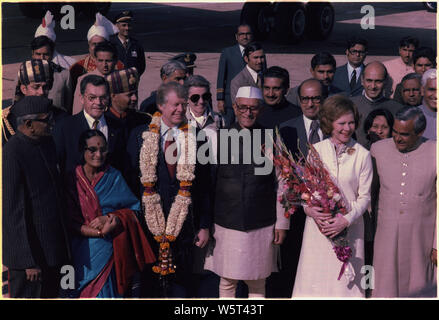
106 58
251 75
405 239
408 92
402 65
373 79
94 98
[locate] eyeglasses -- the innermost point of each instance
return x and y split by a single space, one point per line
95 149
196 97
244 109
316 99
244 34
356 52
92 98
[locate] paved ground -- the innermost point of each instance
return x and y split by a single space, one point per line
166 29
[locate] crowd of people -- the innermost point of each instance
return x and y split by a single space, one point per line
98 181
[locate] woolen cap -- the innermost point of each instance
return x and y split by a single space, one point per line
121 81
31 105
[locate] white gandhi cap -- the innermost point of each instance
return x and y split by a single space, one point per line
249 92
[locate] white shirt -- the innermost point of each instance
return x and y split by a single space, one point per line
200 120
308 122
253 73
102 125
351 69
242 50
165 130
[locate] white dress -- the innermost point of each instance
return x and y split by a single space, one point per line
319 268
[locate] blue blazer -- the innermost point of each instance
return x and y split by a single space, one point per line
341 81
230 64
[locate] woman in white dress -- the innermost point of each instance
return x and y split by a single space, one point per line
350 166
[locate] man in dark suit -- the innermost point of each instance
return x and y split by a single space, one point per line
172 102
94 98
230 64
323 66
129 50
35 244
347 77
296 133
251 75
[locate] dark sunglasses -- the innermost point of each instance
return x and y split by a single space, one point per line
195 97
95 149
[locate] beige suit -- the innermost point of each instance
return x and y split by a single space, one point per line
62 91
406 223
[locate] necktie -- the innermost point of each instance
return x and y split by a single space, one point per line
259 80
314 134
95 124
353 79
172 163
125 44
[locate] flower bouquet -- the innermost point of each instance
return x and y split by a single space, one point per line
308 182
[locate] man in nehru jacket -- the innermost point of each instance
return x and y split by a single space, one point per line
129 50
247 229
35 244
405 252
276 81
230 64
374 79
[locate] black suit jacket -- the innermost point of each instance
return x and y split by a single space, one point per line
294 135
341 81
200 211
230 64
66 134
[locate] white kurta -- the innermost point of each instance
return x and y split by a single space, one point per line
319 267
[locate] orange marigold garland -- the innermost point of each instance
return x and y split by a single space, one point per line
164 230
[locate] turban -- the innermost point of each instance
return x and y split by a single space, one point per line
46 28
102 28
35 71
249 92
121 81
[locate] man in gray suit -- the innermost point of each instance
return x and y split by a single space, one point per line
230 64
304 129
251 75
347 77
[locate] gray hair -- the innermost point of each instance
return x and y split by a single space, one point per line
22 119
165 88
196 81
410 113
429 74
170 67
412 76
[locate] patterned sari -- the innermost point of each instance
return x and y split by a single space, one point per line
104 266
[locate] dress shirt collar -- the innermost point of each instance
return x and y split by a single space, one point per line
351 69
91 120
308 122
253 73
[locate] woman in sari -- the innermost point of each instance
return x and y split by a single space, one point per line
108 244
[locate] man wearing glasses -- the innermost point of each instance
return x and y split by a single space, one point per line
230 64
296 134
95 100
246 226
34 234
347 77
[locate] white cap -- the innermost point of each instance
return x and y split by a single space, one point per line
102 28
46 28
249 92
